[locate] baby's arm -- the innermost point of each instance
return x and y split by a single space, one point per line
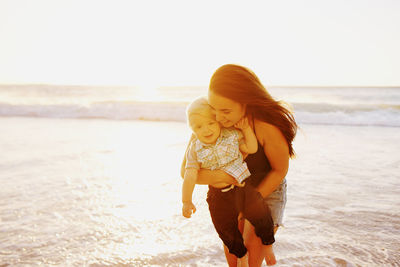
189 182
183 165
250 144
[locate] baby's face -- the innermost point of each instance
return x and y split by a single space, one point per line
206 129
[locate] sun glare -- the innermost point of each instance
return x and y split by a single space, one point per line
149 92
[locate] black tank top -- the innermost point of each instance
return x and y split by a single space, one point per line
258 165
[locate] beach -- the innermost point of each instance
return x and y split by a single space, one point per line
94 99
100 192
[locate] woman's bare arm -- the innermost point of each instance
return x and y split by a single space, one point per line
277 151
216 178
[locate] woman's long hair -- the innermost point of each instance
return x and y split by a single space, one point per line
242 85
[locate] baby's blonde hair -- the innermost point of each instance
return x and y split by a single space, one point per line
199 106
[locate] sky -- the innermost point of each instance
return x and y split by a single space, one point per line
154 43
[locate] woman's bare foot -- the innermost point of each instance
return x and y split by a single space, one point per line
269 255
244 261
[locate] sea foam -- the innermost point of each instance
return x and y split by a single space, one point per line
114 110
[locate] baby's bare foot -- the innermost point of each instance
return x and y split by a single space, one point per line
269 256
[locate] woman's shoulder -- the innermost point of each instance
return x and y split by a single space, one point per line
267 132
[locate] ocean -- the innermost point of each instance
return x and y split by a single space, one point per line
90 177
361 106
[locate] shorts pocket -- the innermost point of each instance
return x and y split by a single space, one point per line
279 194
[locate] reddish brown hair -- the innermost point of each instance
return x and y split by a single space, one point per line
242 85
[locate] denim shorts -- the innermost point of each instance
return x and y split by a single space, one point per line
276 202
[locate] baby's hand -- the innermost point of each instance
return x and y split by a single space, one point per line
242 124
187 209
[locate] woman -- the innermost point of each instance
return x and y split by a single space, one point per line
236 92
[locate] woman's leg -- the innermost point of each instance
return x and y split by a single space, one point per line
253 245
277 202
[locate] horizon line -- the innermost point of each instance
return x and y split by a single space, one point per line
197 85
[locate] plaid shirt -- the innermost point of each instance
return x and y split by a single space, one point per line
224 155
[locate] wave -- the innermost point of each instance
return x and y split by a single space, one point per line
307 113
105 110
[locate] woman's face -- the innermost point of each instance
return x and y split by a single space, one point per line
227 111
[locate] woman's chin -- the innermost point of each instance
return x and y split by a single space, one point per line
227 124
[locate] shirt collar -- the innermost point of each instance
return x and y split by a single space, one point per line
224 133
